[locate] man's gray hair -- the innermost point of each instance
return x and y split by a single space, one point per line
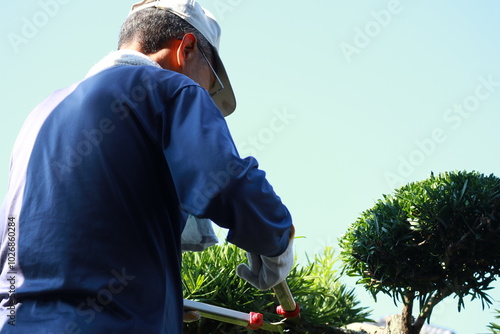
152 27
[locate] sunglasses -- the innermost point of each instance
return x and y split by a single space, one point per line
218 86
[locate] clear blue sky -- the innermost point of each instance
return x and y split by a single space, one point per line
340 101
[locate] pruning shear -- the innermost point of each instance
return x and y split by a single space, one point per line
288 308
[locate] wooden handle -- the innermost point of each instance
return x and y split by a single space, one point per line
285 297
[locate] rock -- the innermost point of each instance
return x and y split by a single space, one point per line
365 328
394 324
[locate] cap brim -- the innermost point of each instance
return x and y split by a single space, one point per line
205 23
225 99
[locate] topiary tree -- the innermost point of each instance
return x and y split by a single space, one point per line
210 276
427 241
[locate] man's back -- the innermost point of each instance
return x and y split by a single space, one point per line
100 224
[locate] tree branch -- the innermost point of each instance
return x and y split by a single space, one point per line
427 310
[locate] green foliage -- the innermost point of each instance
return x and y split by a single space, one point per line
429 239
494 327
324 300
210 276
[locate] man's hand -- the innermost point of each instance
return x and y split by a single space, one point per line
265 272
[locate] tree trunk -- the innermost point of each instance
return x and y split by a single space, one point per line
407 318
404 323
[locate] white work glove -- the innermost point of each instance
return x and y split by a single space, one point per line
197 235
265 272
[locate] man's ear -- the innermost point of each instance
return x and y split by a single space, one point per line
186 49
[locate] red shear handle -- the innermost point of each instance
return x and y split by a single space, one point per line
288 314
255 321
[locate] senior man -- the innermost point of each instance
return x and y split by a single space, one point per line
105 173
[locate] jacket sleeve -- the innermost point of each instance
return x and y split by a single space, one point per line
213 182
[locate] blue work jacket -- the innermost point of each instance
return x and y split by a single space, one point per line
103 176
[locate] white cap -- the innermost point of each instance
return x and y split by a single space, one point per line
203 21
